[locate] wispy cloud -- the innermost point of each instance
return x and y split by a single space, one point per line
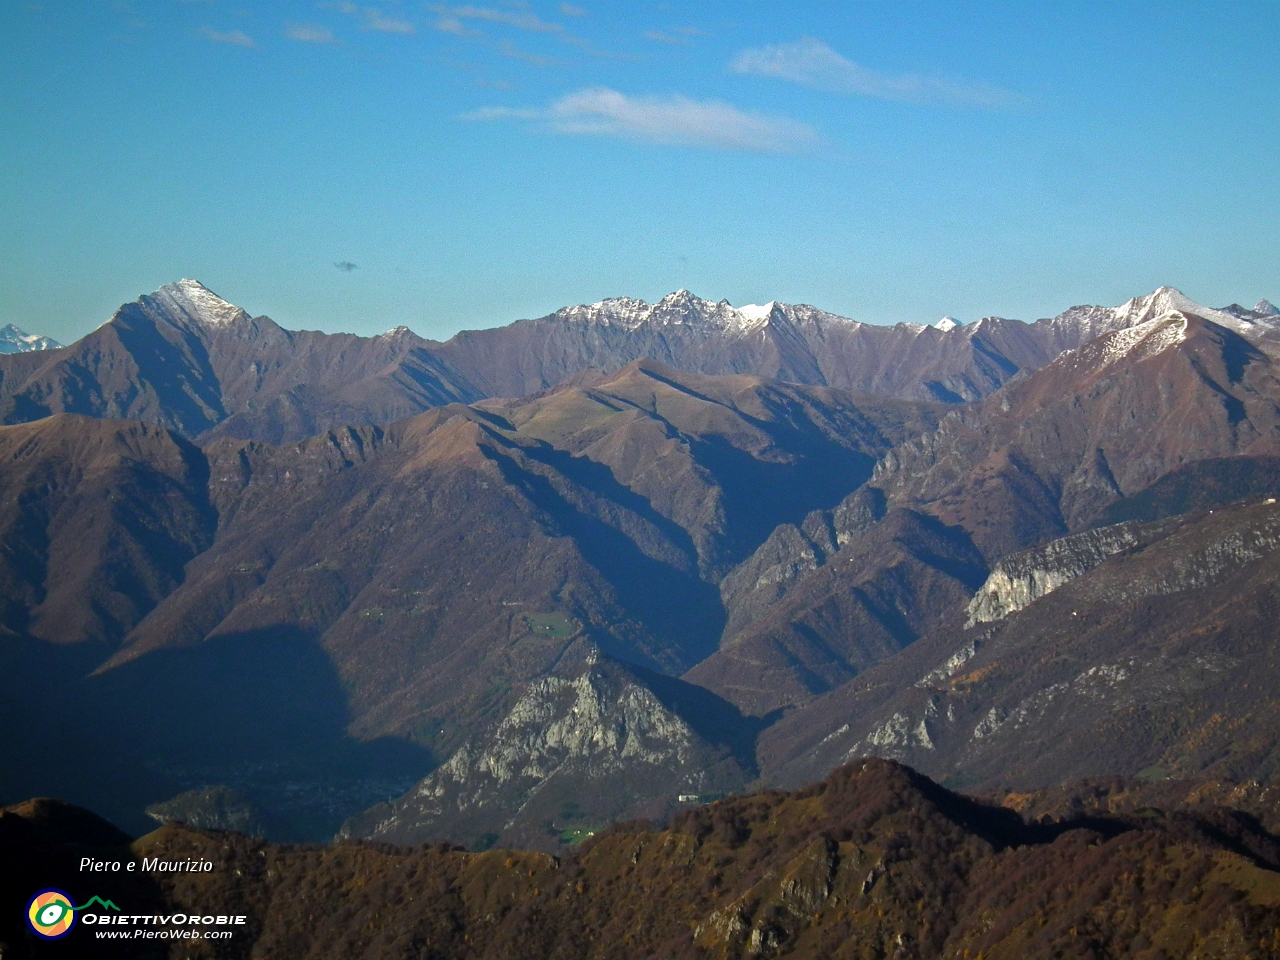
521 20
512 52
673 121
657 36
375 19
586 46
346 266
812 63
236 38
456 27
569 10
306 33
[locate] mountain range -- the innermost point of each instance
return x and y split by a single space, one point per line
185 359
13 339
625 559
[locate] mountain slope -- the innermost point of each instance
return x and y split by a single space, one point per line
799 344
1145 650
187 360
1052 451
590 743
881 590
372 600
1049 453
97 518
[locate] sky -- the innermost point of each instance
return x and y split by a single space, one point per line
346 166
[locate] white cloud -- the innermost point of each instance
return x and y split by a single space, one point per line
233 37
569 10
812 63
674 121
374 19
510 18
342 7
306 33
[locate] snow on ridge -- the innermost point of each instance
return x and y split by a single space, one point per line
195 301
616 311
946 324
755 312
13 339
1146 339
683 308
1169 300
1139 342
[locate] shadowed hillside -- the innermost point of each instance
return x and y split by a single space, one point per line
875 861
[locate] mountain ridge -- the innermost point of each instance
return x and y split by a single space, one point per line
186 359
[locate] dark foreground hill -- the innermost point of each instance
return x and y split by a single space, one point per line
875 861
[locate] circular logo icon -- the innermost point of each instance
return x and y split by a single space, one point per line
50 914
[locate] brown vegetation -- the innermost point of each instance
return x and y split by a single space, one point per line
874 862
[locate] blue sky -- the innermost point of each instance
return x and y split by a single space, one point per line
353 166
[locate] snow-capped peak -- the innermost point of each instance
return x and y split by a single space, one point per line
1167 300
1137 342
1084 323
946 324
192 300
1267 309
13 339
681 308
756 312
622 312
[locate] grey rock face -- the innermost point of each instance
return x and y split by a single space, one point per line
1024 577
781 562
596 741
1092 678
210 808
